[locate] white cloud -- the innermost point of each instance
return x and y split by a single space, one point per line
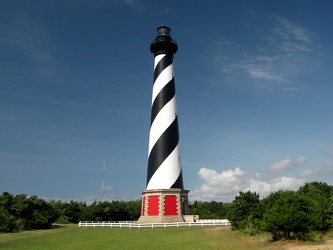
135 5
226 185
256 71
288 164
310 172
265 187
314 172
275 60
290 31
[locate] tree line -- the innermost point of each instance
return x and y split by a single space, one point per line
285 214
21 212
24 213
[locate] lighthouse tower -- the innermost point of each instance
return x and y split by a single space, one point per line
164 199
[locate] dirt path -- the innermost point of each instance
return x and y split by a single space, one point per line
327 245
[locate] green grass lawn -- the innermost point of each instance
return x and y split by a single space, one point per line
72 237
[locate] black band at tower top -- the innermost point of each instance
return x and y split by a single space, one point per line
163 43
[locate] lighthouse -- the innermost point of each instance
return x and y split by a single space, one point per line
164 199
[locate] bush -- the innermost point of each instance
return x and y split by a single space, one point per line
244 211
292 216
7 221
22 213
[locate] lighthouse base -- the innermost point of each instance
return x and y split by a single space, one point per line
164 205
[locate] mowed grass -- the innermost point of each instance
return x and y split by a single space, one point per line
72 237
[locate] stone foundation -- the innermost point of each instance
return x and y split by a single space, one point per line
164 205
191 218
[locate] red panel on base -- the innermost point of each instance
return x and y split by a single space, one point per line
170 205
153 204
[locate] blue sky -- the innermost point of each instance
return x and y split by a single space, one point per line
253 82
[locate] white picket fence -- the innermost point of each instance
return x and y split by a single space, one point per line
133 224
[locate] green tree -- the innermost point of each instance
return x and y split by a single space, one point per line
60 207
73 211
86 212
208 210
202 208
118 211
243 211
291 216
322 194
6 200
7 221
133 209
21 213
40 213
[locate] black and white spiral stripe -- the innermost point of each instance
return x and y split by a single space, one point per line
164 165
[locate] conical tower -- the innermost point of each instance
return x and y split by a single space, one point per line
164 199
